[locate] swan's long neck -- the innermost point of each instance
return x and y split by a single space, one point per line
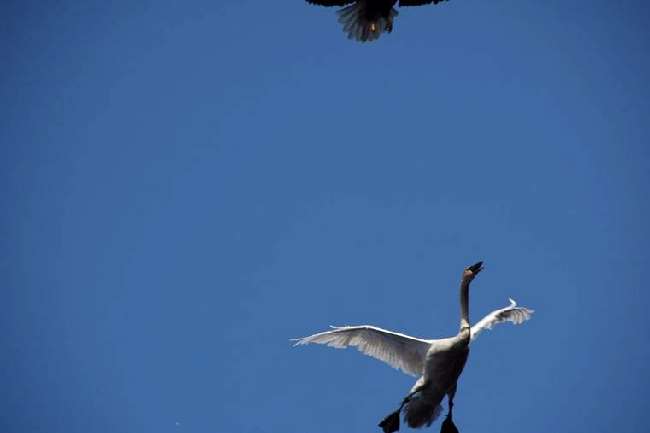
464 304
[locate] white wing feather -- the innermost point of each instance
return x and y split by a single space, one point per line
397 350
511 313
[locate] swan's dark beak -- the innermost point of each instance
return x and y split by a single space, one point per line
476 268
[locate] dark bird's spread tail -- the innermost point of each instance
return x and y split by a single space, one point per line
364 23
366 20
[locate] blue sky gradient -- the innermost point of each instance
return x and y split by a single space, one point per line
187 185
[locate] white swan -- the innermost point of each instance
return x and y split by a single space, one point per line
437 363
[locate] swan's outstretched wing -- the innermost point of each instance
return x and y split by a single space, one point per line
397 350
511 313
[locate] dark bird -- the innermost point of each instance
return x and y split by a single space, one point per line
366 20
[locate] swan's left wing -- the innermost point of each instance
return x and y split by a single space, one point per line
397 350
511 313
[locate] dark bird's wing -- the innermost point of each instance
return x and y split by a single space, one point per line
418 2
330 2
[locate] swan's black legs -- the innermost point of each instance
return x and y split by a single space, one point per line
390 424
452 393
448 425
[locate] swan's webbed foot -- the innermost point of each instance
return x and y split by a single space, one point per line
390 424
448 425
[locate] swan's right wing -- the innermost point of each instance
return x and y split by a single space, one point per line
395 349
511 313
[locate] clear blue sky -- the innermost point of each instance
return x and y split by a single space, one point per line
187 185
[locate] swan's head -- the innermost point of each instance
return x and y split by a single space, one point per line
472 271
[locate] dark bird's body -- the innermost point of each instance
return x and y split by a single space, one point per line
366 20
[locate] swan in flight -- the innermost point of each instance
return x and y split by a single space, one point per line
437 363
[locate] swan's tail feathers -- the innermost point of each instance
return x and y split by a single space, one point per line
422 410
363 26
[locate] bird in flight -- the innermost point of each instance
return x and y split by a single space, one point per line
437 363
366 20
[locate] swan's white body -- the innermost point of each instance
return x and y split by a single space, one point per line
437 363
